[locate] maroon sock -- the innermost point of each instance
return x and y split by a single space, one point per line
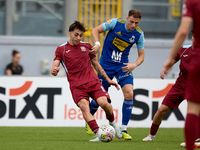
110 117
154 129
191 124
93 125
198 128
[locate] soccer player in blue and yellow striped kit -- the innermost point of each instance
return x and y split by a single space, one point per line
123 33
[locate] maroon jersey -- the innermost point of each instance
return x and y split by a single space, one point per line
191 8
184 56
76 62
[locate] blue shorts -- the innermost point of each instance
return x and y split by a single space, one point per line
115 70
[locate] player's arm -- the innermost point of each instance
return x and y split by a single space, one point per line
95 36
130 67
162 74
8 72
106 26
178 41
102 73
140 59
55 68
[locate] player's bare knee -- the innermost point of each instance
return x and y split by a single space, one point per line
128 95
104 104
83 105
162 111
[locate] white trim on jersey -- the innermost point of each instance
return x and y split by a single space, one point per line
64 67
63 44
186 46
83 42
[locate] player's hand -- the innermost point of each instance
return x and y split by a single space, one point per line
166 68
95 49
55 70
114 84
128 68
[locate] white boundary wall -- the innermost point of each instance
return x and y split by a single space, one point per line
48 102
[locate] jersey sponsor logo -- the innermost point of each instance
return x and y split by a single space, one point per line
30 101
68 51
119 33
132 39
126 75
185 55
120 44
109 21
83 49
116 56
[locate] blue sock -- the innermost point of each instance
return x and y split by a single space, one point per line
93 107
126 111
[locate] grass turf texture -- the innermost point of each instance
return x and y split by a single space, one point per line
71 138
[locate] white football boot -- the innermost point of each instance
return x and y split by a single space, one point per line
149 138
196 144
118 132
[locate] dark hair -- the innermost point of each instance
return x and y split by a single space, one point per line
77 25
14 52
135 13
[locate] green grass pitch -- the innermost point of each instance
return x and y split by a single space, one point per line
74 138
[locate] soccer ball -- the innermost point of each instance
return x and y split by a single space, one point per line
106 133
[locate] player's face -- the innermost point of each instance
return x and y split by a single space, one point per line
132 23
76 36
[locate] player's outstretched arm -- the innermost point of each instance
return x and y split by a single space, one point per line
178 41
55 68
101 72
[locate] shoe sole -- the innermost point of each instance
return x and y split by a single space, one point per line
127 139
195 146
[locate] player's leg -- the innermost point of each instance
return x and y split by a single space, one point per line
126 82
191 124
172 100
192 95
81 99
110 71
127 105
84 106
93 104
157 119
197 141
107 107
127 109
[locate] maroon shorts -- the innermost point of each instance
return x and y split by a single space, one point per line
174 97
193 79
93 89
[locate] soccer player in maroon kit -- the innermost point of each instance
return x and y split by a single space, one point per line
84 83
176 94
191 11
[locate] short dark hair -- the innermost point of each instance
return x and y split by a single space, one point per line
14 52
135 13
77 25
